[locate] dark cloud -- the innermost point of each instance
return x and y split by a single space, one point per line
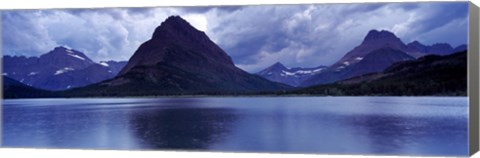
312 35
205 9
103 34
428 18
363 8
408 6
254 36
199 10
21 36
442 14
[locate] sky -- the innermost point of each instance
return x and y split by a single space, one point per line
254 36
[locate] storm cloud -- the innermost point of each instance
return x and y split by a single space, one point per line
254 36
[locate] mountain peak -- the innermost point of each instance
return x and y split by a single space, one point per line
446 45
373 31
416 46
375 35
59 48
373 40
175 18
66 50
62 56
175 25
415 43
416 49
278 65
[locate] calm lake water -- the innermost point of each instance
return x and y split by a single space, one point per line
329 125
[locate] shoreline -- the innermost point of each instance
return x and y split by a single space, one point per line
229 96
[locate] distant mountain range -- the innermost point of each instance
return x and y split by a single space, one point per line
378 50
291 76
181 60
60 69
427 76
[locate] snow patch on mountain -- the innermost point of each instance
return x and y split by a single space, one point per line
76 56
104 64
32 73
300 72
289 75
61 71
340 68
72 54
67 47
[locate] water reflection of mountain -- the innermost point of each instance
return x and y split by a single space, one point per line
189 126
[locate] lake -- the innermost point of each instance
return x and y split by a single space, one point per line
425 126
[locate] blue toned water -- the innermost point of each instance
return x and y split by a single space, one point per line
333 125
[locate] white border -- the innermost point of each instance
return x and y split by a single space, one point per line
42 4
76 153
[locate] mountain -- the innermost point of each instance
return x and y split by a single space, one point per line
347 66
179 59
417 49
460 48
15 89
426 76
291 76
176 39
378 50
376 61
62 68
373 40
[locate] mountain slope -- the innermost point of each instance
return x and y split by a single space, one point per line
291 76
179 59
428 75
59 69
375 61
114 66
15 89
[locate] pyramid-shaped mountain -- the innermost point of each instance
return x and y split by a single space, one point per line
180 59
378 50
373 40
